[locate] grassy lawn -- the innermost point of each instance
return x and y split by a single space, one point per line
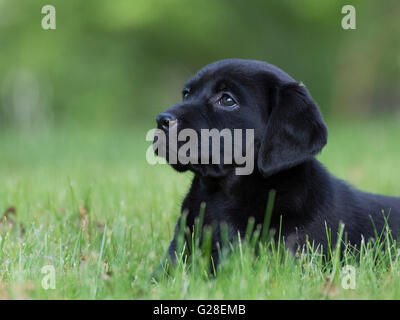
87 203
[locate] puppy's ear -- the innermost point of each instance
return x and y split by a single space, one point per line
295 131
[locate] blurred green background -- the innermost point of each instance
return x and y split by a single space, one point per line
120 63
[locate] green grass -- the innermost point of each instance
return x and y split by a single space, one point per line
87 203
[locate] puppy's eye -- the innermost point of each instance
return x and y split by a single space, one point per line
185 94
227 101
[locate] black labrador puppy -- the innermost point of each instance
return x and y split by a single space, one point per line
288 133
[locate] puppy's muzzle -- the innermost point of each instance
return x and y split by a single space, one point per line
166 121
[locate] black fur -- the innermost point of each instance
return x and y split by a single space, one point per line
289 132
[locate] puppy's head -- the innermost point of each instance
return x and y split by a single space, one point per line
242 95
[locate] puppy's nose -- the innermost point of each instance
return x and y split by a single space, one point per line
165 121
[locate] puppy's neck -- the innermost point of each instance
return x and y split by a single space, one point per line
293 180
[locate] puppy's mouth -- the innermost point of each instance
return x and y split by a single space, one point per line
167 146
210 150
